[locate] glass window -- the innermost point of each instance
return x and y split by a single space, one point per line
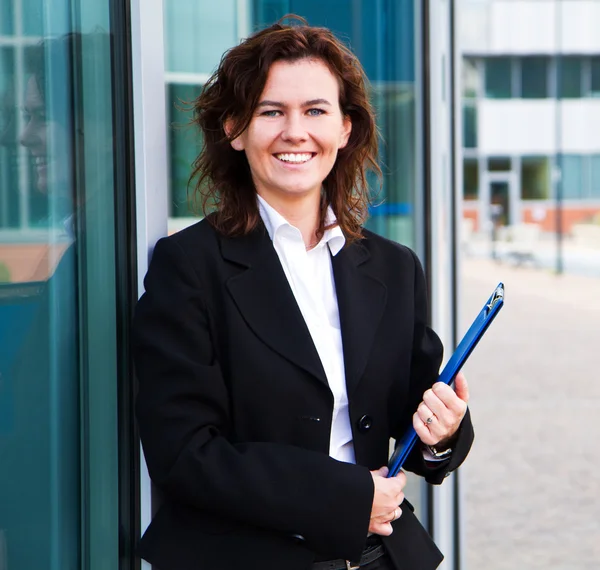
197 34
569 77
470 178
535 178
470 124
471 80
534 77
595 76
595 176
58 382
184 146
499 163
572 176
498 77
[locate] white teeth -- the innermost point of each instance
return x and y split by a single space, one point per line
293 157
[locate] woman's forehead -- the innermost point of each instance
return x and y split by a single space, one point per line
300 81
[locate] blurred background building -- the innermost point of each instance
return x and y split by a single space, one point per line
531 120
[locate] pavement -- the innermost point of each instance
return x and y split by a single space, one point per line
531 484
542 254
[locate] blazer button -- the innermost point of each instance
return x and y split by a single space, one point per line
364 424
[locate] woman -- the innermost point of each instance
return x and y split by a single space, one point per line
279 345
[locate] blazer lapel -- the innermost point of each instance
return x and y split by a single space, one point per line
361 301
265 300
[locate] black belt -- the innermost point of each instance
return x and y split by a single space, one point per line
368 556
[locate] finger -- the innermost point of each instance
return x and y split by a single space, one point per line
425 413
381 472
462 387
448 398
437 406
383 529
423 431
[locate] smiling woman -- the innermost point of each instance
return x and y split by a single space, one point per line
279 345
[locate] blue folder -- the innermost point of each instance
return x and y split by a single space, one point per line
463 351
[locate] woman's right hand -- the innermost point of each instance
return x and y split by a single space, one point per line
388 495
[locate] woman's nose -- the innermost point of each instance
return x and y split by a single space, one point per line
294 129
27 137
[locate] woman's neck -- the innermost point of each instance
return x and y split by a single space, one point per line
302 212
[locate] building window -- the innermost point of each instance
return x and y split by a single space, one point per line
470 124
498 78
595 77
499 164
534 77
471 80
535 178
471 179
569 78
572 180
595 176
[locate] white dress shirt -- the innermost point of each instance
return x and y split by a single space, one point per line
310 276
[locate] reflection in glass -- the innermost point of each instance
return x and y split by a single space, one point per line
57 273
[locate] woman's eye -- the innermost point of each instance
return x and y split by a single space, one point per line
271 113
315 112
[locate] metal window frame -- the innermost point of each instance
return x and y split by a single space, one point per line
151 169
442 138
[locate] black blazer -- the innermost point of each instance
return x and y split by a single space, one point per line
235 411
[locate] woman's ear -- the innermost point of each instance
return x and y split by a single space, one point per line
346 130
237 143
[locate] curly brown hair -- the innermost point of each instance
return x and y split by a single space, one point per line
223 178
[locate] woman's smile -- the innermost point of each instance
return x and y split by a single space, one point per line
294 157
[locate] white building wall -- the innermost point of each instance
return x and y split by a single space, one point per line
516 126
500 27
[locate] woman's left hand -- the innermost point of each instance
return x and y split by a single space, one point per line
439 414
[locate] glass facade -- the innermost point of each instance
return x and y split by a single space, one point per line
59 497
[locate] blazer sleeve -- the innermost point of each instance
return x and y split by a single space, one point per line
426 359
184 420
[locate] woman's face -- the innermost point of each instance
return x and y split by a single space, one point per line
296 130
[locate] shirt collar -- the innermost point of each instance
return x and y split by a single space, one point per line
273 221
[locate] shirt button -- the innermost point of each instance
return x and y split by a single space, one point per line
364 424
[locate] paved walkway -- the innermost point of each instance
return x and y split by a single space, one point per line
532 482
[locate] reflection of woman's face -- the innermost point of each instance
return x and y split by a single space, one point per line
46 140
